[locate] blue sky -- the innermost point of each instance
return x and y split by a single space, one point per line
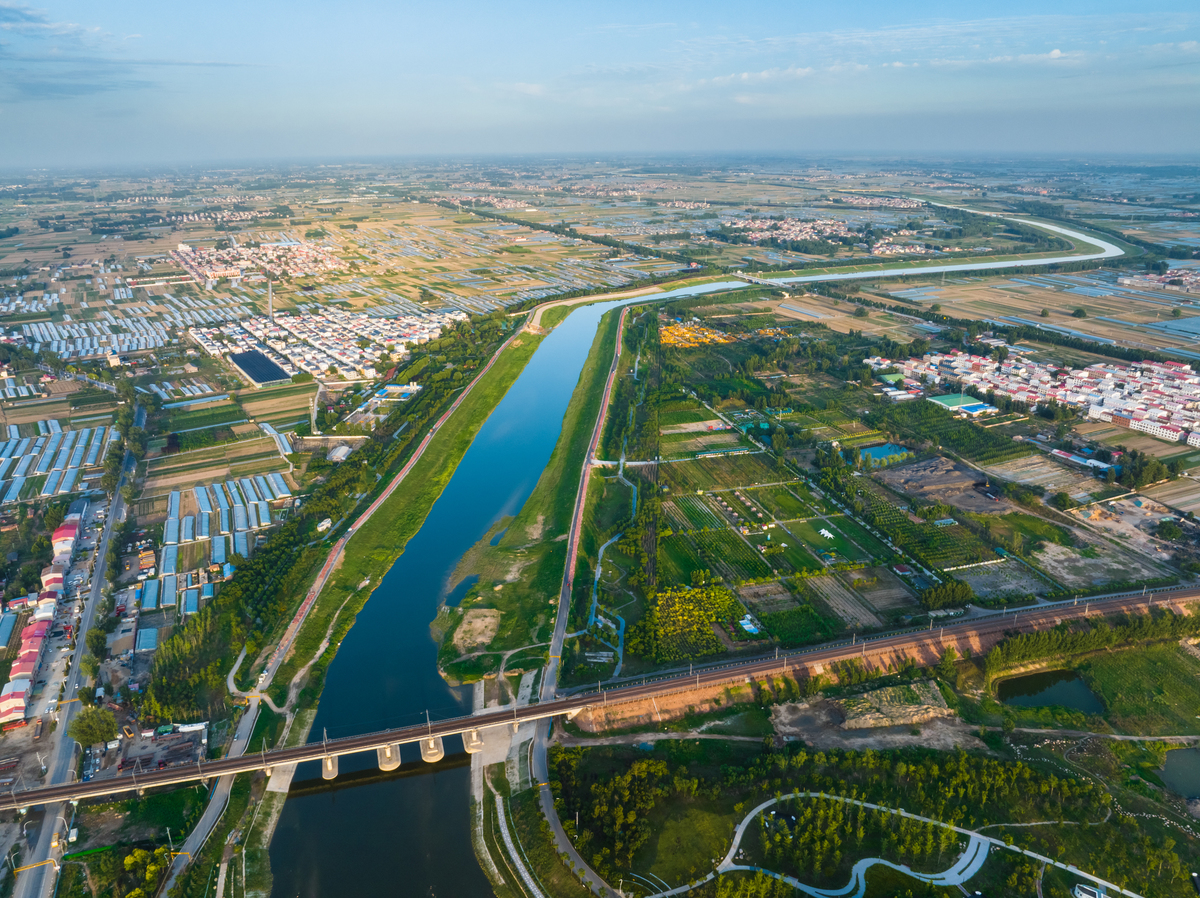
86 83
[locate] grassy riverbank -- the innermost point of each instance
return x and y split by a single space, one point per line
375 547
527 562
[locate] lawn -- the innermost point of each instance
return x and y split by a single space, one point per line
855 531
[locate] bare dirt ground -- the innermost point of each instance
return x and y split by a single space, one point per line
844 602
1009 578
1130 520
819 723
693 427
478 628
1051 476
946 481
765 598
1071 568
887 593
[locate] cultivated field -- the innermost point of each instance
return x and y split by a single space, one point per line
844 602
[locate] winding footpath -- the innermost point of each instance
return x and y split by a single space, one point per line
968 864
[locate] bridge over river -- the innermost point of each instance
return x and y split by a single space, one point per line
474 729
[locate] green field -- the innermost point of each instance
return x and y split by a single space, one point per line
781 502
213 415
692 513
1152 691
857 532
808 533
801 626
721 473
672 417
794 554
725 551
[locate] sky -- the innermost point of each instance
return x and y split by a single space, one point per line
139 82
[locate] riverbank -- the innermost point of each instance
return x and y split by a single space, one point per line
517 571
367 557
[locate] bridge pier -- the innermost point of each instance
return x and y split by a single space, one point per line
388 757
329 767
472 742
432 750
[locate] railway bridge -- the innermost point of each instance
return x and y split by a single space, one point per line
474 729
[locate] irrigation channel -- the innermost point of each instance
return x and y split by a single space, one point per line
410 832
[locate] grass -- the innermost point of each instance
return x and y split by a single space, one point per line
531 836
808 533
375 547
547 513
782 503
1151 690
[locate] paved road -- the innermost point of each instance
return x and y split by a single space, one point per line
968 864
36 883
1107 251
220 794
218 799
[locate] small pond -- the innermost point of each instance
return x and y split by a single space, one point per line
883 454
1181 772
1064 688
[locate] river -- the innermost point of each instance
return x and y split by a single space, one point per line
410 833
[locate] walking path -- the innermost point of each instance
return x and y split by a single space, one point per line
968 864
513 855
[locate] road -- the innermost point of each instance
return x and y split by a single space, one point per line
61 759
220 794
339 548
1107 251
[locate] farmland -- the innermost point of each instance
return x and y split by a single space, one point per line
725 551
243 458
722 473
781 502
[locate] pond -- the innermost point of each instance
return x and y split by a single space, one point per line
882 455
1181 772
1064 688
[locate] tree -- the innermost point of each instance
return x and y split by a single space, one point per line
945 667
1045 313
1175 312
1169 530
89 665
1063 501
93 725
97 642
1079 313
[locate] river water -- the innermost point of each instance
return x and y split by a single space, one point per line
408 833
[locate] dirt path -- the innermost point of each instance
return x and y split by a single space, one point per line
639 738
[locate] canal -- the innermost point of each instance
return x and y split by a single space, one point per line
410 834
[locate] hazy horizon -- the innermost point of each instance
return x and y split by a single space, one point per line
135 83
